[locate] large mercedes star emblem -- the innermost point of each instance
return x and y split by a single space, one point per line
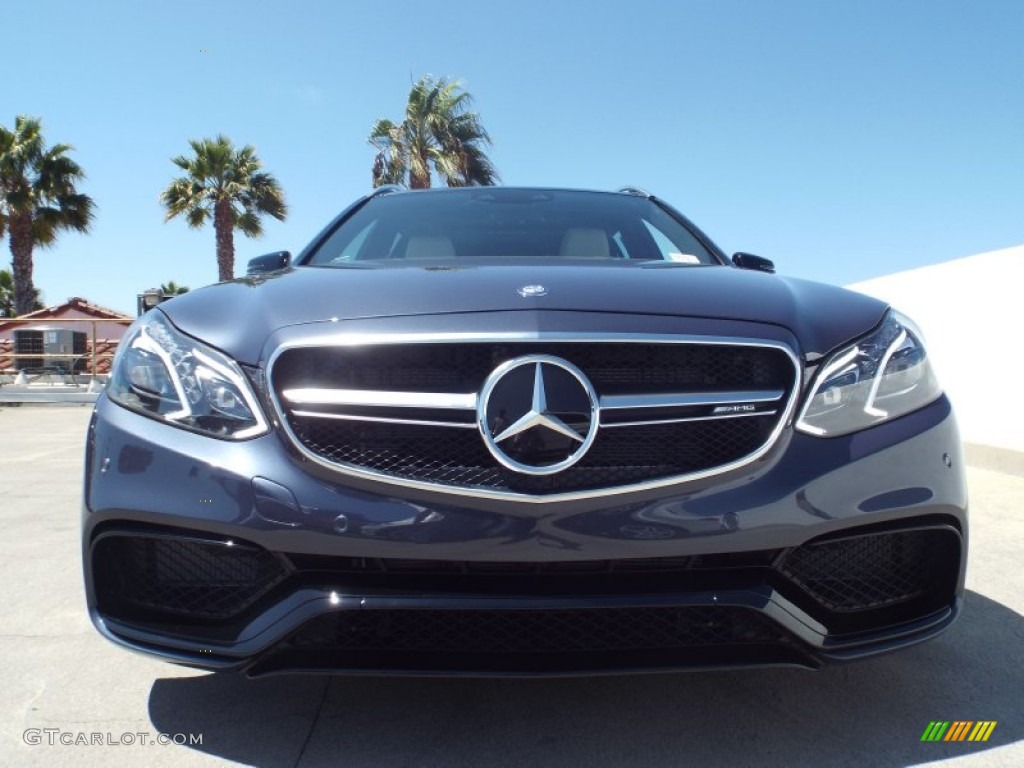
538 414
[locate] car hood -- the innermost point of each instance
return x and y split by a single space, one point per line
238 316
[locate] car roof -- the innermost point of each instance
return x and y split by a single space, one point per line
389 189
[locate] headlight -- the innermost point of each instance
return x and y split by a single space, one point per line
884 375
162 373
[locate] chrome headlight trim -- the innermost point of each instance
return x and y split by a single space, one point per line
191 386
847 396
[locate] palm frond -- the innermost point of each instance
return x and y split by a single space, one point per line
449 167
222 177
40 182
197 217
171 288
478 170
248 223
182 196
264 195
439 133
381 132
74 212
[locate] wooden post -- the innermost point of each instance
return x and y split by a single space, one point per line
93 324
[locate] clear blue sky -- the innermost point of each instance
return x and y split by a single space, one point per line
842 140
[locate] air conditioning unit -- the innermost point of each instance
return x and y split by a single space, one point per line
65 350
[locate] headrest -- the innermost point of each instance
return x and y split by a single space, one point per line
585 242
429 248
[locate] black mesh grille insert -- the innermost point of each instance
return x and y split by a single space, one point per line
457 456
534 631
454 456
613 368
146 576
665 575
876 570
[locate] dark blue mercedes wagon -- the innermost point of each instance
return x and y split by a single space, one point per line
521 431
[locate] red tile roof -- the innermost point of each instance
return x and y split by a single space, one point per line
75 303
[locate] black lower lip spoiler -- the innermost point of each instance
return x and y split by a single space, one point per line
259 654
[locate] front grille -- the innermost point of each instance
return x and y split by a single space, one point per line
629 448
876 570
140 577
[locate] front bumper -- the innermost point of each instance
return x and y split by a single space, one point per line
235 556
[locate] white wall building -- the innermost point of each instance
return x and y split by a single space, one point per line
971 311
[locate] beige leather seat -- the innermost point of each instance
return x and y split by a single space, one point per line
581 242
429 248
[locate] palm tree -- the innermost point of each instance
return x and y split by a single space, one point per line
438 132
7 296
226 184
171 288
38 199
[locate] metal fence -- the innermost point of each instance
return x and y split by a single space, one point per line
49 381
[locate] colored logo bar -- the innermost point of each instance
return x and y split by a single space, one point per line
958 730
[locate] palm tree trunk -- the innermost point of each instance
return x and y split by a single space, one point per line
224 226
20 225
419 179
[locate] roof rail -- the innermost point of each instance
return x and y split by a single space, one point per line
387 189
635 191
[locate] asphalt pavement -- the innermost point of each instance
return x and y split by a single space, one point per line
68 697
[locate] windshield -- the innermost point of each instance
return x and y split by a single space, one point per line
505 223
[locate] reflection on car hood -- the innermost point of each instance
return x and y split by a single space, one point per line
238 316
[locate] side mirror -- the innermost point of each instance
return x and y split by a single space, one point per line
750 261
270 262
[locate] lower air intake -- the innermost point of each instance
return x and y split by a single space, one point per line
156 576
875 570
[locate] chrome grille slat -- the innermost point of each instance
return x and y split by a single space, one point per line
683 419
686 400
382 419
380 398
411 401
